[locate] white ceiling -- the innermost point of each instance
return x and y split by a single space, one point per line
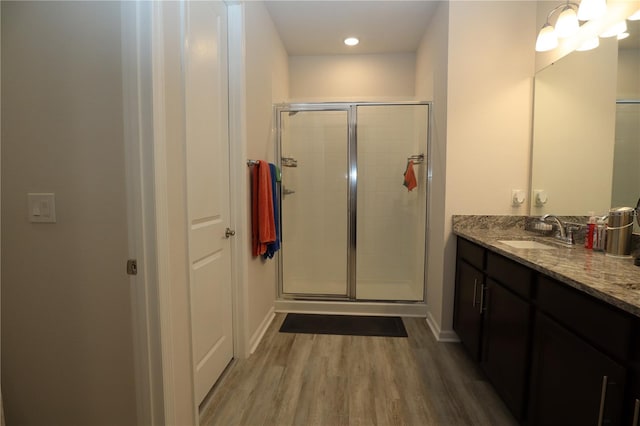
318 27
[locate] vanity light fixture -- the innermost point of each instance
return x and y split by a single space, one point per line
589 44
351 41
622 36
614 30
592 9
547 39
566 26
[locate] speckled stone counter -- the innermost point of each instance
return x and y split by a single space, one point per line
613 280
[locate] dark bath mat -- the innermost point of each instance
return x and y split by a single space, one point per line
354 325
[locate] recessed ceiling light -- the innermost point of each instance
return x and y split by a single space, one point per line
351 41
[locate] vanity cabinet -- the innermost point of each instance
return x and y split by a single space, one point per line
572 383
631 412
589 343
469 296
468 306
492 319
555 355
505 346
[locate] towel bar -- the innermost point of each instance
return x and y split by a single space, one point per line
416 158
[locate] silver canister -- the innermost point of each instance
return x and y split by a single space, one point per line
619 230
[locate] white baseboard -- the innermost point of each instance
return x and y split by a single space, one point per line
351 308
256 338
445 336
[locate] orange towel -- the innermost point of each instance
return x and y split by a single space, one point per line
410 177
263 225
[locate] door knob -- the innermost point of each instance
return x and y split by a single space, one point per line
229 233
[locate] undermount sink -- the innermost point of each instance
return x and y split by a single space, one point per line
527 244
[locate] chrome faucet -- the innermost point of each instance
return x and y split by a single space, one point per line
563 229
563 234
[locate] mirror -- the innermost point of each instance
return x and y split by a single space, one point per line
586 130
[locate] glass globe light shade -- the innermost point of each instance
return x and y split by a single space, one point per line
567 24
591 9
547 39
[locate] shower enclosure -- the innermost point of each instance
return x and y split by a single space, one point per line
350 229
625 189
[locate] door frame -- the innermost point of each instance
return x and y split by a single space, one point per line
1 402
238 182
136 31
155 318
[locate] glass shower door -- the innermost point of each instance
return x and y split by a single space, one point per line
626 154
314 194
391 220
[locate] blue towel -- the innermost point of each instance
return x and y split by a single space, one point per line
273 247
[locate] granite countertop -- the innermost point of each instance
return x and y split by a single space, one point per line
613 280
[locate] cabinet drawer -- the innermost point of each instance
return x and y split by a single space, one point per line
601 324
510 274
472 253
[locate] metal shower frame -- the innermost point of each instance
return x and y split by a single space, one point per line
352 157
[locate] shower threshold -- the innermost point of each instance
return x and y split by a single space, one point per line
404 309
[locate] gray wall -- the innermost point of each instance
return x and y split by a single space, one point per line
67 355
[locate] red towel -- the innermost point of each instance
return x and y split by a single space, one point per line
263 225
410 177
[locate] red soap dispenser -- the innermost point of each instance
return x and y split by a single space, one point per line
591 228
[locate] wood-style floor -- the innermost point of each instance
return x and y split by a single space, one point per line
305 379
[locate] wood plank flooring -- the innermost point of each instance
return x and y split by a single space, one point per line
304 379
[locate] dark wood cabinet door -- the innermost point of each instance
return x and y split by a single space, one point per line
631 413
567 386
467 312
505 353
632 402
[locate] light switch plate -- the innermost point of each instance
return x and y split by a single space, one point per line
42 207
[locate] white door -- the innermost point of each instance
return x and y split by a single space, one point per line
206 107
